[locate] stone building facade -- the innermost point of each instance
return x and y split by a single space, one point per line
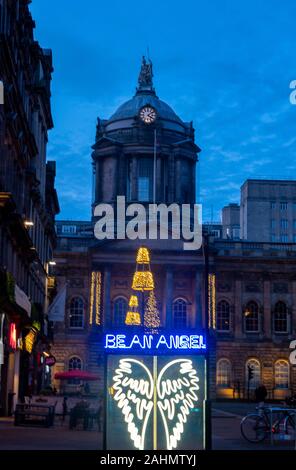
28 201
255 317
145 153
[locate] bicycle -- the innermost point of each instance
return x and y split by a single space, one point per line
255 427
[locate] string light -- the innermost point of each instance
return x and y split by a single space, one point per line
143 281
91 300
98 297
212 300
95 297
133 317
143 256
151 315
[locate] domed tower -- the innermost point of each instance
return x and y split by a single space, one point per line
144 151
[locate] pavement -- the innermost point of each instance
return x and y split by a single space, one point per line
226 418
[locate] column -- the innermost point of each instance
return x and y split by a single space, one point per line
198 288
293 317
238 308
266 308
169 297
107 298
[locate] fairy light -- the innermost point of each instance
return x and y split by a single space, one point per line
143 256
91 300
143 281
151 315
133 317
98 297
212 300
133 302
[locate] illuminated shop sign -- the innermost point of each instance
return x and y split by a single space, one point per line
12 336
158 343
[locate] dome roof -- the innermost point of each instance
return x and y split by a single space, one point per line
131 108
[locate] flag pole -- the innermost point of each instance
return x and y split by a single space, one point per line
154 169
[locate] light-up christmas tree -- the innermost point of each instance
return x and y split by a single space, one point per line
143 282
151 315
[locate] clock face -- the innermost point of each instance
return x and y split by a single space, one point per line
148 114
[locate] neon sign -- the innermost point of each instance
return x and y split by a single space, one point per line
12 336
142 395
158 343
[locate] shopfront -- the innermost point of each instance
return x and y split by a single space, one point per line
156 391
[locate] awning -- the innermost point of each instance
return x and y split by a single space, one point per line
76 374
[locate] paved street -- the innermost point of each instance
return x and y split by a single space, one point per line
226 419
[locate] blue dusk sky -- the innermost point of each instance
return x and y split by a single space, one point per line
226 65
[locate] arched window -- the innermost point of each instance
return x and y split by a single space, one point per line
119 311
77 312
251 316
223 377
223 316
281 374
180 313
254 364
280 318
75 363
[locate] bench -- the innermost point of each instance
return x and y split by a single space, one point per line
34 415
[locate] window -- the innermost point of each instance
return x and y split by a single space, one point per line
223 377
284 224
273 237
280 318
256 379
251 315
273 223
284 206
75 363
284 238
294 224
76 313
281 374
223 316
294 238
69 228
119 311
273 205
145 179
180 313
236 233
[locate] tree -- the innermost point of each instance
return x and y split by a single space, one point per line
151 314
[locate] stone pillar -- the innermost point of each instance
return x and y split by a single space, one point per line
198 288
159 181
98 182
293 313
178 181
107 298
169 297
238 308
266 308
171 178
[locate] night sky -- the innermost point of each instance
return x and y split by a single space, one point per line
224 64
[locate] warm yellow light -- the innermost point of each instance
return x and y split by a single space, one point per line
133 302
52 263
143 256
133 318
95 297
143 281
28 223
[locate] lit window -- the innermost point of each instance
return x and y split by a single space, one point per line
256 379
273 237
223 377
251 315
281 374
180 313
76 313
284 238
75 363
280 318
223 316
119 311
